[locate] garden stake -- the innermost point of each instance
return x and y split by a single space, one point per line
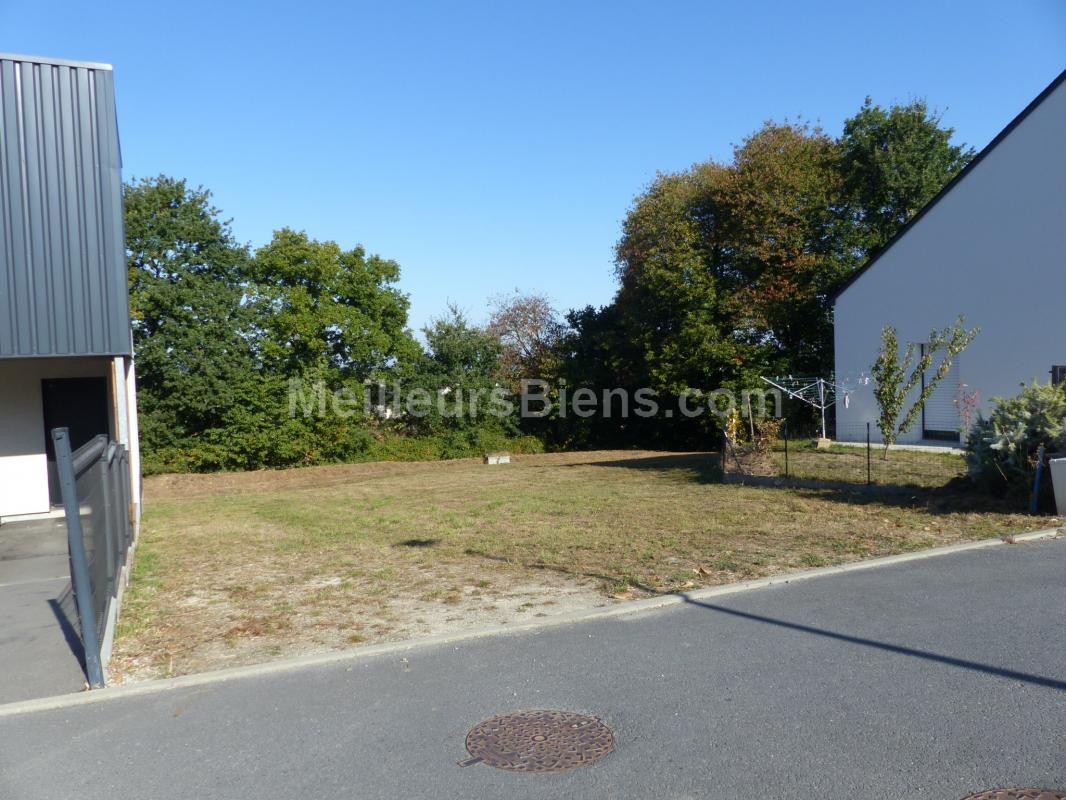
1034 503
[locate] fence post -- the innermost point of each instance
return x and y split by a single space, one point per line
79 562
786 449
869 481
110 543
1034 500
127 523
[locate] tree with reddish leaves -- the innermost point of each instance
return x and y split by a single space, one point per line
528 328
727 270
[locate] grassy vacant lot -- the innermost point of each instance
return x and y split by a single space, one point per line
235 568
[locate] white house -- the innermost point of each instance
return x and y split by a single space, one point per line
990 246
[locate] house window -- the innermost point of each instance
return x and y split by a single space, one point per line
940 414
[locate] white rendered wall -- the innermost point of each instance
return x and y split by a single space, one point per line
23 466
134 442
993 248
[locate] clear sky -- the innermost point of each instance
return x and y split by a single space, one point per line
497 145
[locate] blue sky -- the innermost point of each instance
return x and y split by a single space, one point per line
494 146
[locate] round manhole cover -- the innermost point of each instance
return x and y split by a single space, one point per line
539 741
1018 794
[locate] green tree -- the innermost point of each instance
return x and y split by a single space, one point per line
670 300
726 269
457 375
218 336
783 251
596 352
328 312
896 377
191 328
894 160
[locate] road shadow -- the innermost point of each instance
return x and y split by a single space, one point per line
951 661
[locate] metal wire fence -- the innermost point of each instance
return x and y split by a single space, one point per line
95 484
858 464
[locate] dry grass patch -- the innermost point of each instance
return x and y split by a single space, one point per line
244 567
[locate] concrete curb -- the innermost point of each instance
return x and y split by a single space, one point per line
356 655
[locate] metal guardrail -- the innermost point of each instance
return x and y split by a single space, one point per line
95 484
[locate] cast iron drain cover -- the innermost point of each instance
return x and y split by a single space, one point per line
538 741
1018 794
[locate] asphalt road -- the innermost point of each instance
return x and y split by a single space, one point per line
930 679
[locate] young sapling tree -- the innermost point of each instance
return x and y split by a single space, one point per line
895 377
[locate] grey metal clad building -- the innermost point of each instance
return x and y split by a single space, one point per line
66 356
63 288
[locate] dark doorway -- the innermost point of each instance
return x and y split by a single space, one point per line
79 404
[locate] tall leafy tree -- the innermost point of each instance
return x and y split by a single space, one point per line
725 268
597 352
330 312
457 375
670 299
219 333
191 327
894 160
781 251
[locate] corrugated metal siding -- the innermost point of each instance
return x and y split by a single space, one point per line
63 284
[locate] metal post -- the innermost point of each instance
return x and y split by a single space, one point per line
1034 502
786 449
127 522
109 538
868 480
821 403
79 562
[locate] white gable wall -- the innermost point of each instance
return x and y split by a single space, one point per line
994 249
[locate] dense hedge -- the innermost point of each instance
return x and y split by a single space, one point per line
362 446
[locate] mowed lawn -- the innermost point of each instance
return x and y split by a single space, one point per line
242 567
